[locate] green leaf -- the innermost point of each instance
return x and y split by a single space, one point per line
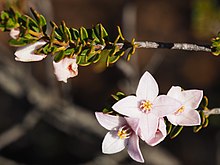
114 58
4 15
10 24
82 60
74 33
168 127
120 33
83 34
43 23
175 131
95 58
59 56
118 96
69 51
35 14
197 128
19 42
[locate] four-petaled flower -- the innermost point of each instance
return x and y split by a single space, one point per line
147 106
190 100
119 136
26 53
65 68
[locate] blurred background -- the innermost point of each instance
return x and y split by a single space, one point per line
43 121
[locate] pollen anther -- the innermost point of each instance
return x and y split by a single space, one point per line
146 106
180 110
124 132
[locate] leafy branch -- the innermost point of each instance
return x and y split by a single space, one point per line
87 45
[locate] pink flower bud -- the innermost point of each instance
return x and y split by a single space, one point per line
65 69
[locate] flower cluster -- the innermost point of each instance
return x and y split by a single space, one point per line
64 69
143 116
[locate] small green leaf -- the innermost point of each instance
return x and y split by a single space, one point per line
35 14
95 58
74 33
4 15
82 60
19 42
168 127
175 131
197 128
10 24
69 51
83 33
59 56
43 23
120 33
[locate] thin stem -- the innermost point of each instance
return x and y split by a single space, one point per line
164 45
214 111
177 46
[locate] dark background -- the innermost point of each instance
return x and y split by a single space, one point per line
44 122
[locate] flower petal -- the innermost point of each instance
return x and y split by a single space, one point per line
192 98
112 143
160 134
26 53
164 105
128 106
109 122
189 118
175 92
147 88
148 126
14 33
133 123
134 149
66 68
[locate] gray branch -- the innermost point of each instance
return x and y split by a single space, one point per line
214 111
176 46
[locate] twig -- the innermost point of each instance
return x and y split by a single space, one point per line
214 111
177 46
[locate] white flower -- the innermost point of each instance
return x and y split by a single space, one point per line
14 33
147 107
65 68
120 135
190 100
26 53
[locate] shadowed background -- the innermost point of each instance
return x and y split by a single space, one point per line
43 121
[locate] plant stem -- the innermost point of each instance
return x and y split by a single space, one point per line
214 111
177 46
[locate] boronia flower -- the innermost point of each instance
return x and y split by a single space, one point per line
160 134
65 68
147 106
186 115
120 135
26 53
14 33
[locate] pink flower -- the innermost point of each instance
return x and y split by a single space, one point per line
14 33
65 69
119 136
26 53
186 115
160 134
147 106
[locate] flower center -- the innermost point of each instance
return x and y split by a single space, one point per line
124 132
179 111
145 106
70 68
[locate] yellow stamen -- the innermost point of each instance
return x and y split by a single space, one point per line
180 110
146 106
124 132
